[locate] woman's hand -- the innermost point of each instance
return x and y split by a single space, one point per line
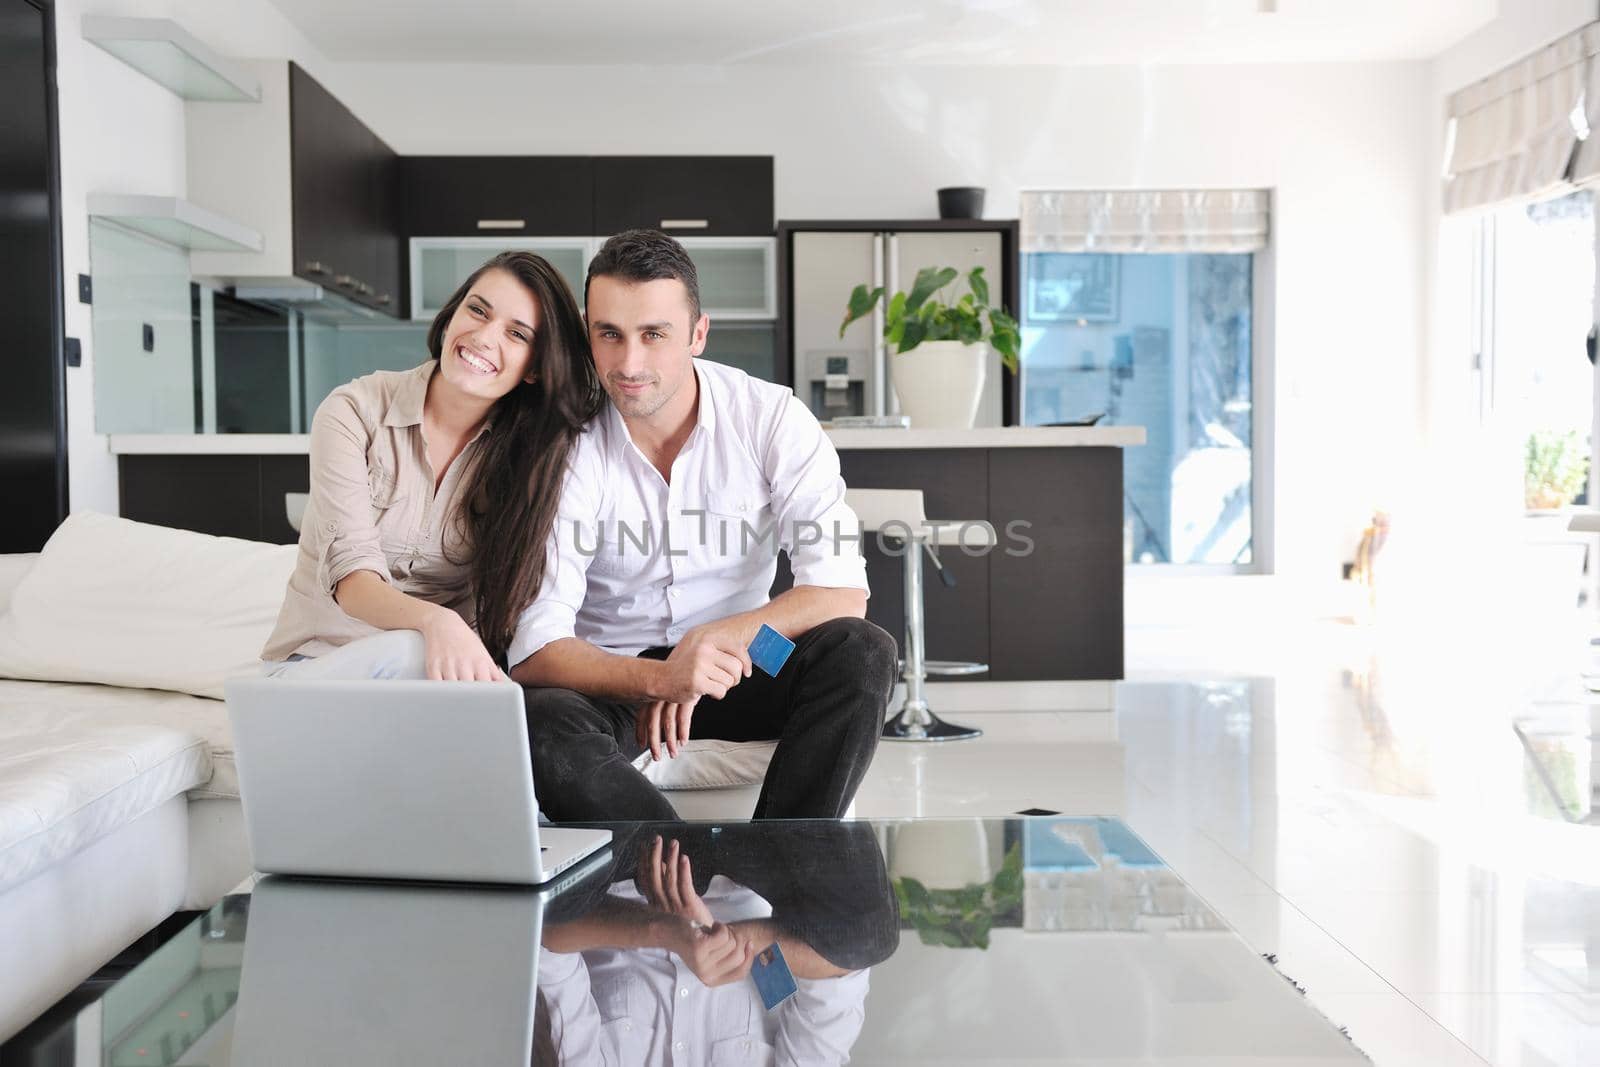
454 652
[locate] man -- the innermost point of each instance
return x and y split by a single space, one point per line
819 890
656 581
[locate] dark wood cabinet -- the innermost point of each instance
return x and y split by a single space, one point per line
344 193
230 496
462 196
1056 583
1047 602
687 196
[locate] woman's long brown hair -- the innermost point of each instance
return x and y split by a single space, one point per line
509 499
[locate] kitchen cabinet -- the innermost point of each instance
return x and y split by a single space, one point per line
224 495
459 196
440 264
1047 604
711 196
318 186
343 191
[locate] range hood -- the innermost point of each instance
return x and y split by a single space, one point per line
311 300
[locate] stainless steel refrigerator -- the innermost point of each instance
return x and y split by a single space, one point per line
826 260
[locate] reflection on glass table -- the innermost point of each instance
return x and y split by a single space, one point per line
1044 939
1561 745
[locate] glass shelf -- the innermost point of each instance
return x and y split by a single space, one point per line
166 52
175 221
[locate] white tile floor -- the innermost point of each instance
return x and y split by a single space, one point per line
1354 801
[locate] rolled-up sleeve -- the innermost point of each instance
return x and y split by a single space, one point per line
569 1008
339 518
817 529
572 544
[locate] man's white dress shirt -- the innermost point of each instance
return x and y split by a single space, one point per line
629 1008
636 560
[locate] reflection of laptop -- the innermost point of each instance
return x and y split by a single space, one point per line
363 975
428 781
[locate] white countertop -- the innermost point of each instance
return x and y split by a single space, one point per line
210 444
991 437
244 444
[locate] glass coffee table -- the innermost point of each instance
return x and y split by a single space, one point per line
1020 940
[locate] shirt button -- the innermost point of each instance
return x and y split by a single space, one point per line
627 1025
679 1046
683 991
675 592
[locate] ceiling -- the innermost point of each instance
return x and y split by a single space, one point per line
671 32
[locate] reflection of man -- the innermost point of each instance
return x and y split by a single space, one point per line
656 969
656 577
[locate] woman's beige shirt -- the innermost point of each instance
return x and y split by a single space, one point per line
373 508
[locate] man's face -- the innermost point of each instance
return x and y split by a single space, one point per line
643 341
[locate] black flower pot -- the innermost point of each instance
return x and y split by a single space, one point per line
961 202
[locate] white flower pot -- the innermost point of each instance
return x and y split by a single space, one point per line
939 383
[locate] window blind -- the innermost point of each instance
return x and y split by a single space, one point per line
1512 135
1166 220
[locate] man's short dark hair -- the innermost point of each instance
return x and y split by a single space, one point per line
646 256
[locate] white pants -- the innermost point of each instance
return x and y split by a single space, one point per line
391 654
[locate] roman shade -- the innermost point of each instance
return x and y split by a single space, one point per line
1512 136
1149 220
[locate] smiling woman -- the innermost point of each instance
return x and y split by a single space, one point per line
428 486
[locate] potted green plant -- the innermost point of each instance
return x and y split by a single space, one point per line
939 387
962 918
1555 469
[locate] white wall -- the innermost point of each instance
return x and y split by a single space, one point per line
1343 146
123 133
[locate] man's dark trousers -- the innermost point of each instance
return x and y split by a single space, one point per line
825 709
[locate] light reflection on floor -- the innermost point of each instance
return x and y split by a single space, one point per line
1358 803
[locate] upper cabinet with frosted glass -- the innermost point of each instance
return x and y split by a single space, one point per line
461 210
738 275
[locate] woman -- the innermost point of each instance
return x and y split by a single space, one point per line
431 488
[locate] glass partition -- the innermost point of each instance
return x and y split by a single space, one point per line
143 353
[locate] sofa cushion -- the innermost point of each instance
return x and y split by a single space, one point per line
68 779
710 765
13 565
124 603
114 706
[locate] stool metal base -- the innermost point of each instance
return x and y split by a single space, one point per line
951 667
926 727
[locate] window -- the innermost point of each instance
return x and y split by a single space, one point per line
1533 302
1536 298
1139 309
1164 342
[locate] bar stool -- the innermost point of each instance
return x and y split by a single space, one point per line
898 514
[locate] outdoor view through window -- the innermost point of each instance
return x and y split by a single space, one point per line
1161 341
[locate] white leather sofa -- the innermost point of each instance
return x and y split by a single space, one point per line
119 800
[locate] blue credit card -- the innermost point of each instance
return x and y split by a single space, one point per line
773 979
770 650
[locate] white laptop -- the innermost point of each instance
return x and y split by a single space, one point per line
414 780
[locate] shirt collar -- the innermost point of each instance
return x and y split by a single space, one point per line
405 409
